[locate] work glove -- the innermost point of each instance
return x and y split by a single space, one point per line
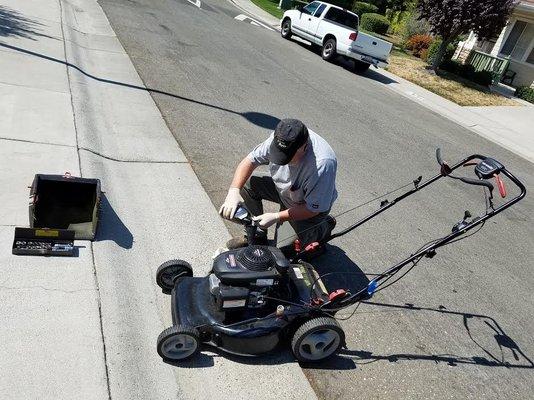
266 220
229 207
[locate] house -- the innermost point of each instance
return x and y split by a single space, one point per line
515 43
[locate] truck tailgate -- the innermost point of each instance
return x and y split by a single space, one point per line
372 46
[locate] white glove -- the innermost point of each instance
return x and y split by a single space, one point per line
266 220
233 198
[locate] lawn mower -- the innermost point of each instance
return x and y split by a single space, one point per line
258 296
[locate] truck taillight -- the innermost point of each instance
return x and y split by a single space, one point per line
353 36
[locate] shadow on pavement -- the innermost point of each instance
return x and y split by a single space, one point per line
14 24
111 226
338 271
260 119
505 344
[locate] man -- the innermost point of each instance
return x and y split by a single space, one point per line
303 174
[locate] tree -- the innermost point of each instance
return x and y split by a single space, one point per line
451 18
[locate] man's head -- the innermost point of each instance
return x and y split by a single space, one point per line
290 136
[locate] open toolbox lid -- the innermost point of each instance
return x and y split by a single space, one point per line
65 202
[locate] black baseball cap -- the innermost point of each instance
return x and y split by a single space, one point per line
289 135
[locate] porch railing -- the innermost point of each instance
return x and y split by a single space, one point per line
486 62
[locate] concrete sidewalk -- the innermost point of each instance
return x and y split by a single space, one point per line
250 8
86 327
510 127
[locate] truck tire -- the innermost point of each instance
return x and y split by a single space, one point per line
360 66
328 51
286 29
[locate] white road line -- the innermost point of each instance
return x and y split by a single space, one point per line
243 17
195 3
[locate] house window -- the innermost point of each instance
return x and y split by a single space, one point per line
518 45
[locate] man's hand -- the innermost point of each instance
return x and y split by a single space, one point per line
266 220
229 207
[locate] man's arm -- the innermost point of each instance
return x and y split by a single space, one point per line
242 173
296 213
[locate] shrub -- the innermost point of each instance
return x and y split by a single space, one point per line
433 49
467 71
397 20
360 8
424 55
525 93
484 78
413 26
451 66
375 23
418 43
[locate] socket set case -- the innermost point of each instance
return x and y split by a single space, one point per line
43 242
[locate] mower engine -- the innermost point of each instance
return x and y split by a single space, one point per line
242 278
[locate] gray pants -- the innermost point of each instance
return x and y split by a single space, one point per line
260 188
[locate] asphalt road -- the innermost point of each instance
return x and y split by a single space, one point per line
460 324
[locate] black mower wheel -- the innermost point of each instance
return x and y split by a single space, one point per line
328 51
286 29
178 343
360 66
317 339
170 271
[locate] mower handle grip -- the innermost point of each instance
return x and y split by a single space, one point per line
478 182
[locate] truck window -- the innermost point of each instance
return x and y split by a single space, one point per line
310 8
342 17
320 10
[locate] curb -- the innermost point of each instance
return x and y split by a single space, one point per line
274 26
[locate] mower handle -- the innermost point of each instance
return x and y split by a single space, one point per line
470 181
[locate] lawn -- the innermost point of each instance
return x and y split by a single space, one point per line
447 85
271 6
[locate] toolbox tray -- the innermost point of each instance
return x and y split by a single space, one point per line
43 242
65 202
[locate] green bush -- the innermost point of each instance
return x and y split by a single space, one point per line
467 71
451 66
375 23
360 8
484 78
397 20
433 50
525 93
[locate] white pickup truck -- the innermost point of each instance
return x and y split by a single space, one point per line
336 31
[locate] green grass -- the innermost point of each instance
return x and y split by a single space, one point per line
270 6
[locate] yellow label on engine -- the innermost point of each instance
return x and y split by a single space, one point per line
46 233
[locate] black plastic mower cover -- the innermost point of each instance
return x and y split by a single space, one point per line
65 202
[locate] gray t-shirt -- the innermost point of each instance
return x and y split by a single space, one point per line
312 181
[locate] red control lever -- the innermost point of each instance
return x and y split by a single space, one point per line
336 294
312 246
500 185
